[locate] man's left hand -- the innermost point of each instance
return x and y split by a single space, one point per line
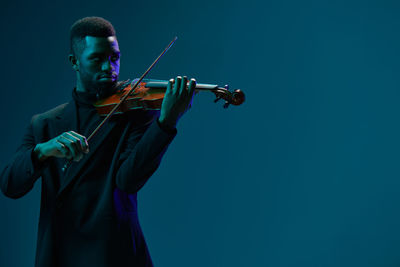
177 100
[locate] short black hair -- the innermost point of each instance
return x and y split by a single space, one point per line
88 26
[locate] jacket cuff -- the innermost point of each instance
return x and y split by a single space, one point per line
36 165
171 131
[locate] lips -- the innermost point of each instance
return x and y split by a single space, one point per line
108 77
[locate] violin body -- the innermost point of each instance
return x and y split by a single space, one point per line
149 94
141 98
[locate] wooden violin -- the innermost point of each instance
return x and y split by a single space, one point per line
149 94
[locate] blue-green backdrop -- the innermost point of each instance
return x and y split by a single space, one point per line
305 173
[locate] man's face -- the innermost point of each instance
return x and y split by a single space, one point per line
98 63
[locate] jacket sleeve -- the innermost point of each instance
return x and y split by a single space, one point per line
142 155
20 174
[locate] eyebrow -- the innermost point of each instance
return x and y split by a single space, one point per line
100 54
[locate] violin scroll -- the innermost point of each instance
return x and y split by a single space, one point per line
235 98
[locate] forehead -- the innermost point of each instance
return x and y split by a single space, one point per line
100 44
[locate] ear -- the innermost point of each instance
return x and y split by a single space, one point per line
74 62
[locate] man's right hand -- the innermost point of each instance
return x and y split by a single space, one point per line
70 145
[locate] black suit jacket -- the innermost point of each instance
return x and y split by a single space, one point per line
92 222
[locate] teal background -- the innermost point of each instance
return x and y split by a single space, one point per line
304 173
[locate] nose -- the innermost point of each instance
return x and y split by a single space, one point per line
107 66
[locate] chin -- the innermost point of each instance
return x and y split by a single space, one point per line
107 84
107 88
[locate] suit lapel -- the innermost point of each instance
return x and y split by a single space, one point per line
67 122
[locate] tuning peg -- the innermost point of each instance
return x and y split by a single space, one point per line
226 105
217 99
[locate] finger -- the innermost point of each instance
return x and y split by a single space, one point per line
192 86
85 145
83 141
74 138
63 149
78 143
191 91
177 84
183 87
169 86
68 144
75 134
75 142
71 145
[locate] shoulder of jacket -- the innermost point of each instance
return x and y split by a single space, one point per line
52 113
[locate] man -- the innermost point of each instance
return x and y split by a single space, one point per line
88 214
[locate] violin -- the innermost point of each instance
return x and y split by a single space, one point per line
149 94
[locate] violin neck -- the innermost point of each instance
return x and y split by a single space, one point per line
199 86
